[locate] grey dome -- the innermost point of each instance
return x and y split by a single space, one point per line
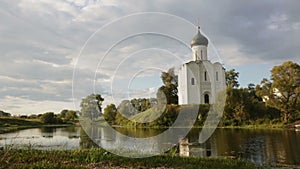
199 39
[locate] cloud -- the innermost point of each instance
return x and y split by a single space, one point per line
23 105
40 42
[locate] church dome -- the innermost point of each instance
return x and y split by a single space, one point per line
199 39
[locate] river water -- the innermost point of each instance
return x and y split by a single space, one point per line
262 146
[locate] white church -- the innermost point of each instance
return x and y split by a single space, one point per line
199 80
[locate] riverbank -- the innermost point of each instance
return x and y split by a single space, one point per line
14 124
99 158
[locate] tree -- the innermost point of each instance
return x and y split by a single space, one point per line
283 90
169 89
231 77
91 106
63 113
110 113
126 109
71 115
48 117
4 114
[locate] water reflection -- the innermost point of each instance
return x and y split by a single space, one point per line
43 138
260 146
47 131
86 141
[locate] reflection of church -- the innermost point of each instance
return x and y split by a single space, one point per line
199 80
207 149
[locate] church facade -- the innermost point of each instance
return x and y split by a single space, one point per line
199 80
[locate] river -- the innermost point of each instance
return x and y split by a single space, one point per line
262 146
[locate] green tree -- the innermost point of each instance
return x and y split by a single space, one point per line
4 114
91 106
71 115
242 105
231 77
283 90
48 117
127 109
63 113
110 113
169 90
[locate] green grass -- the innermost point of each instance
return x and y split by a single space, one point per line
148 115
91 158
13 124
7 121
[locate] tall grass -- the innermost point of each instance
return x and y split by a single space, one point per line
29 158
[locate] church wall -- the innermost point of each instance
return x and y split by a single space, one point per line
193 90
197 52
194 93
182 85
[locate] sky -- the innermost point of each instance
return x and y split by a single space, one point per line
55 52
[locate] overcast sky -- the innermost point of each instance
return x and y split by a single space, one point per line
42 41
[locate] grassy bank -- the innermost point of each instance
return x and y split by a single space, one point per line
98 158
14 124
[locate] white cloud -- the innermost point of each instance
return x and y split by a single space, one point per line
40 41
23 105
232 56
280 22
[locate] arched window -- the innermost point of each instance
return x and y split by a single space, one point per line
193 81
217 76
206 99
205 75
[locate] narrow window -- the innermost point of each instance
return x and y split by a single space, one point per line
205 76
193 81
217 76
201 55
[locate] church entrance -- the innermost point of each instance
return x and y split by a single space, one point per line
206 99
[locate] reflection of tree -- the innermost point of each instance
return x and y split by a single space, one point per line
85 141
71 131
47 131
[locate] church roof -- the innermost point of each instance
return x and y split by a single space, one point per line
199 39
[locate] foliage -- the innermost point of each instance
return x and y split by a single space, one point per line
169 90
63 113
4 114
131 107
48 117
91 106
231 77
71 115
283 90
142 104
127 109
110 113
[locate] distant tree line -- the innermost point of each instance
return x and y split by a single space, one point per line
65 116
4 114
